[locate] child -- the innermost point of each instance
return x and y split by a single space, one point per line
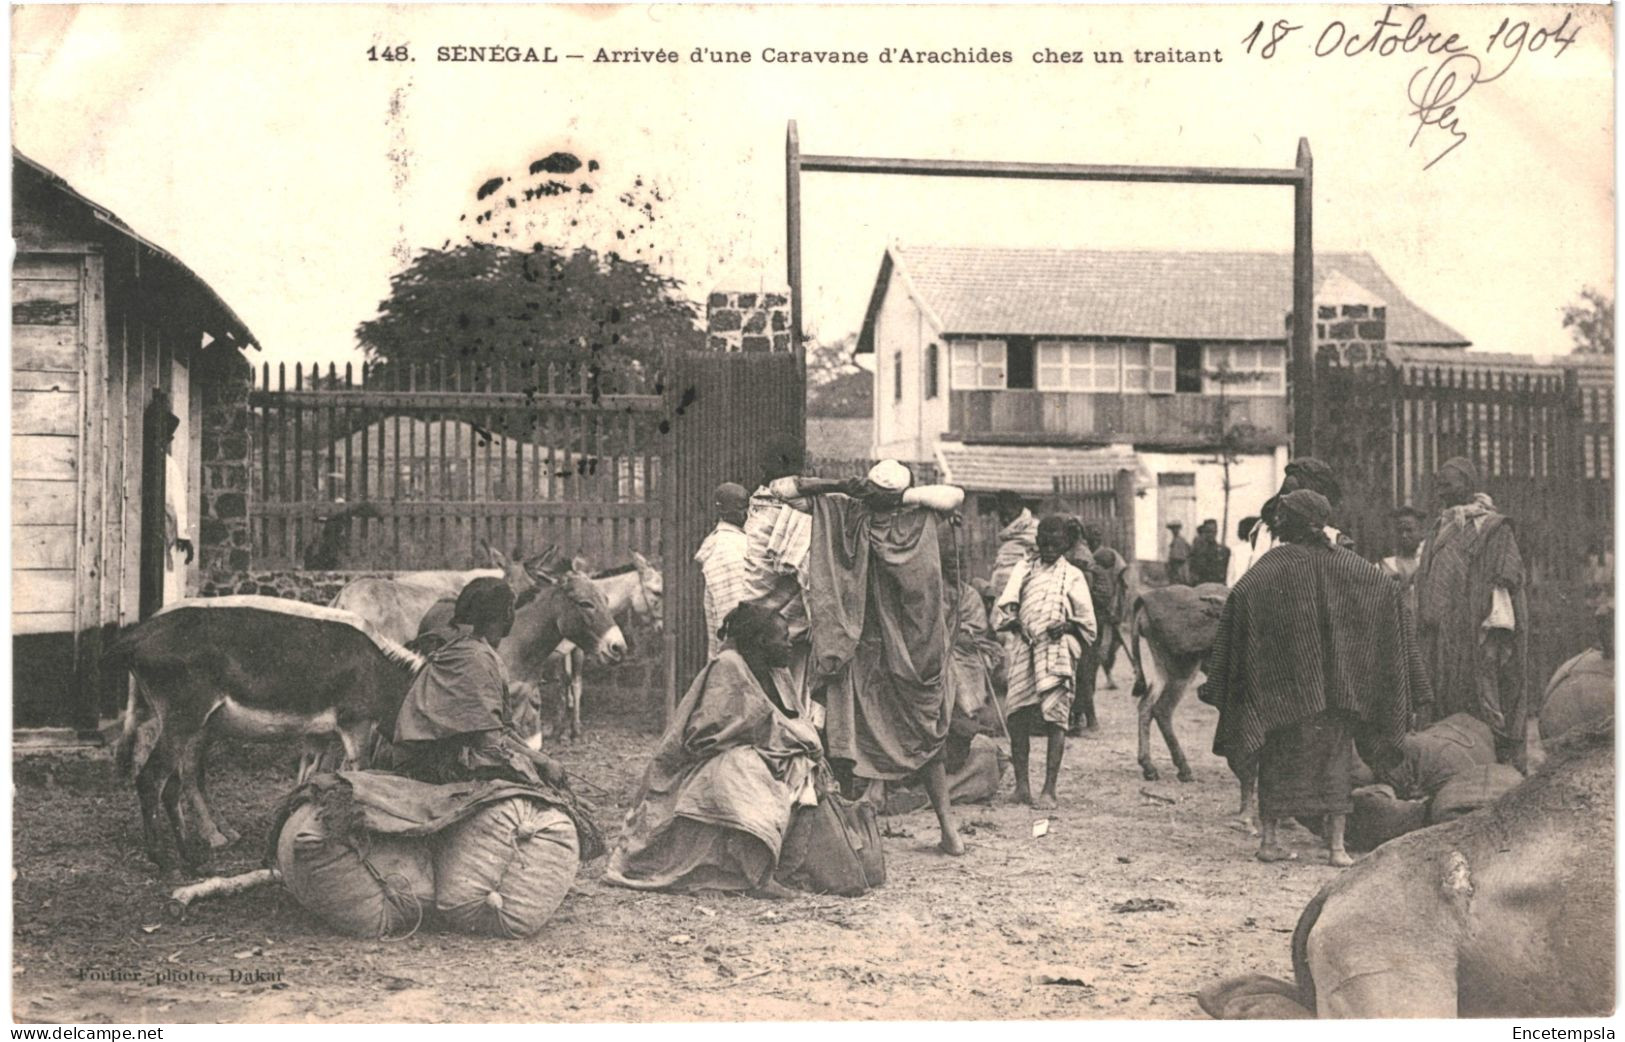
1045 608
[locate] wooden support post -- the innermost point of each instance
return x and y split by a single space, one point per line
1303 306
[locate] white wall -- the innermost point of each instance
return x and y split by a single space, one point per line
1253 479
902 429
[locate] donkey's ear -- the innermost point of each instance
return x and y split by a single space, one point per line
641 561
497 558
580 565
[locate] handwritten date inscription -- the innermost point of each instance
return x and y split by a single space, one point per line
1436 89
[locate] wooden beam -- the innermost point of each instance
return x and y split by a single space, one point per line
1303 306
431 401
1215 175
792 205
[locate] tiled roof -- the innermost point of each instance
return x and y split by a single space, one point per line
1027 469
1180 295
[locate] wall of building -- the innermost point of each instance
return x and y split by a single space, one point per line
904 428
1253 479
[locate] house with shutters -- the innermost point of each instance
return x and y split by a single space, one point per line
127 379
1008 367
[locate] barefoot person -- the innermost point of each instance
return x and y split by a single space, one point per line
736 759
1046 612
1313 651
880 641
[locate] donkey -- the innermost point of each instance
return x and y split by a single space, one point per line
634 590
1166 663
394 605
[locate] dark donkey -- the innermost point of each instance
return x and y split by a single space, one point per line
263 668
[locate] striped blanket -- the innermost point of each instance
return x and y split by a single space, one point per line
1308 630
1042 669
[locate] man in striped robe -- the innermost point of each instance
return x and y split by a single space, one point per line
1048 617
1313 650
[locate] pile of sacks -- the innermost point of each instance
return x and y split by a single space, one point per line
377 855
1446 770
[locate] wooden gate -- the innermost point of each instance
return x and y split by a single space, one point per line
1104 500
412 467
724 411
1385 432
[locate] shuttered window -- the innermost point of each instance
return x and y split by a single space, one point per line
1163 362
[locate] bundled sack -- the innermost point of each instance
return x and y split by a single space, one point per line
504 871
359 883
1472 789
1580 695
1431 757
833 848
1184 619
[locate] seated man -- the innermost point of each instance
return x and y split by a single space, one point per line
735 761
456 722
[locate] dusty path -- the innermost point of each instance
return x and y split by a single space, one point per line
944 939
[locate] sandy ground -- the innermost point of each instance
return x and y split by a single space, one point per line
944 939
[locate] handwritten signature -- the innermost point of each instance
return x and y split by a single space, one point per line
1434 104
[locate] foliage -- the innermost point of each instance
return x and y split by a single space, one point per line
1229 440
1591 323
836 387
491 303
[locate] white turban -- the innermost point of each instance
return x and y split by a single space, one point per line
890 476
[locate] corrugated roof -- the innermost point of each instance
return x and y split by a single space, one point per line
1027 469
239 329
1173 295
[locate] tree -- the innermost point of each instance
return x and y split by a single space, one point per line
1591 323
490 303
830 360
836 387
1228 440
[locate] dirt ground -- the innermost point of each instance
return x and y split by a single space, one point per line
944 939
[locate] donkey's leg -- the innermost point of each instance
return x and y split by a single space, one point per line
1149 682
1163 712
187 760
150 778
578 662
231 834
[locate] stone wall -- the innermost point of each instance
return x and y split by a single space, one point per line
748 322
223 531
1351 323
310 587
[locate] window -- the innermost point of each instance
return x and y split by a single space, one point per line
897 376
1019 374
1163 362
932 364
1188 369
1259 369
978 365
1077 367
1136 367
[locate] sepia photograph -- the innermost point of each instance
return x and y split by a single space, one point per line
683 513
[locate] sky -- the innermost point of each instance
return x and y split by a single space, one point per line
294 175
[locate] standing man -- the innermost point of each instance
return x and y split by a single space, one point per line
1472 615
1312 652
1179 552
1018 538
722 560
1109 622
1401 566
1208 559
1303 472
1046 610
177 518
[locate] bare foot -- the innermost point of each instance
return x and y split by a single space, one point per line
1339 859
1047 801
773 890
1275 853
952 845
1023 795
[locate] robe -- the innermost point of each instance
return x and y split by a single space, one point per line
880 641
716 799
1467 554
1043 670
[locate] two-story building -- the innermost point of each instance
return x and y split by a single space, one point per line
1007 367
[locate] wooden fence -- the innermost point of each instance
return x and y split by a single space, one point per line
1104 500
1541 444
413 466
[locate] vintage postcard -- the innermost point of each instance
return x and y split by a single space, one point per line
812 513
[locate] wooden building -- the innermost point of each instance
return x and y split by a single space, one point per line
111 337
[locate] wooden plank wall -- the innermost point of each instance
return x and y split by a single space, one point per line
48 360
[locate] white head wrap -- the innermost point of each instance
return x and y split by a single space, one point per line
890 476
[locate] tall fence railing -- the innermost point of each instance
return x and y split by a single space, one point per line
1542 446
1104 500
414 466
